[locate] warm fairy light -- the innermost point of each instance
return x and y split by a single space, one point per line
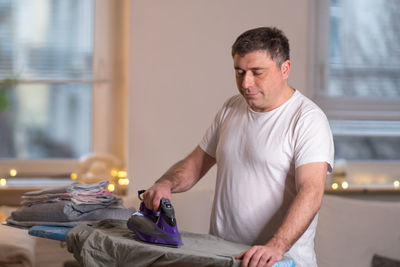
3 182
111 187
122 174
123 181
335 186
13 172
345 185
114 172
74 176
396 184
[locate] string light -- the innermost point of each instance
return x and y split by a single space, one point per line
114 172
335 186
396 184
74 176
345 185
111 187
3 182
123 181
13 172
122 174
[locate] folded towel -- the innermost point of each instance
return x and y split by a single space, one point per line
77 193
69 205
67 213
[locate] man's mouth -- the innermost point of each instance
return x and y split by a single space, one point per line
250 94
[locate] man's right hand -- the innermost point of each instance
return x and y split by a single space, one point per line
154 194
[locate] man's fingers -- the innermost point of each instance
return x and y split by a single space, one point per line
247 256
156 203
262 262
255 259
263 259
154 194
271 261
147 199
259 256
240 256
151 200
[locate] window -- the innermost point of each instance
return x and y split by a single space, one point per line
47 113
357 74
56 83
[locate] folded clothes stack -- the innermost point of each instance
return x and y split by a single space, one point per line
76 193
69 205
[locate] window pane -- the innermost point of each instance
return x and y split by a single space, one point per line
364 58
46 121
46 39
50 41
366 140
367 148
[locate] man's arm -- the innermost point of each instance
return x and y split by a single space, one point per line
182 176
310 183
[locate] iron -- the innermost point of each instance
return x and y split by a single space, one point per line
156 227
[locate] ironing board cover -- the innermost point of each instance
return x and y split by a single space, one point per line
111 243
50 231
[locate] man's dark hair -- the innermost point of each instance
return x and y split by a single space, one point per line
267 39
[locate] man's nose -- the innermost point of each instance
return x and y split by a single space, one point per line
248 80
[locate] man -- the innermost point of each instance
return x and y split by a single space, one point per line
273 148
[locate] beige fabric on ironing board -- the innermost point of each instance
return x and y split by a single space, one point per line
111 243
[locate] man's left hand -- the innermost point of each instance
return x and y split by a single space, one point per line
260 256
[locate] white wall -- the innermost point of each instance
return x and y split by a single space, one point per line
181 73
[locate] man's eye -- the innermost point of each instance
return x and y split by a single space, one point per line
257 73
239 73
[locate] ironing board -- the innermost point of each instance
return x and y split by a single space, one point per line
111 243
50 231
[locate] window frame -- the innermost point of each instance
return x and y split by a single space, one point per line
104 87
341 108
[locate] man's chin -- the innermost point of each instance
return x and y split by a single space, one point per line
253 105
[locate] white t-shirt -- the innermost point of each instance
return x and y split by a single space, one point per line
257 154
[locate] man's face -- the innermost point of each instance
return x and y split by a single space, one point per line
260 80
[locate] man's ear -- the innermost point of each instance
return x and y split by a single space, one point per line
285 69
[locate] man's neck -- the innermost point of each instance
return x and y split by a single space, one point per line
287 93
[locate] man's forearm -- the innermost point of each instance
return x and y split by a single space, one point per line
180 177
310 183
299 216
184 174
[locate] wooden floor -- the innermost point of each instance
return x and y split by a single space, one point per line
52 253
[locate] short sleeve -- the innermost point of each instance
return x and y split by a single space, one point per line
314 141
209 142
